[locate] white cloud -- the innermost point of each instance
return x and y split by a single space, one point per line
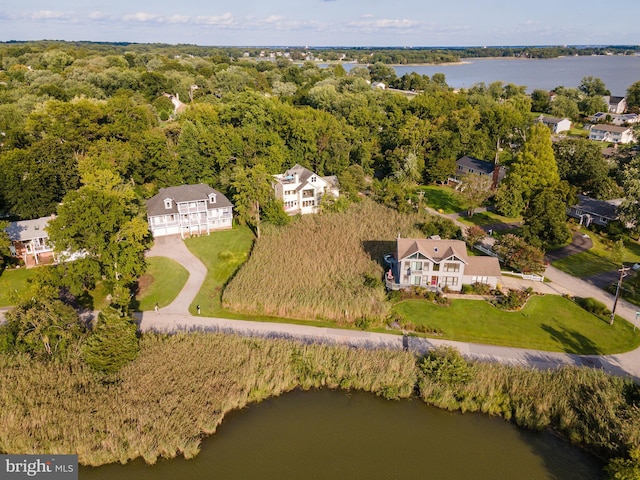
384 23
142 17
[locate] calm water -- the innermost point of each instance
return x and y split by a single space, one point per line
337 435
617 72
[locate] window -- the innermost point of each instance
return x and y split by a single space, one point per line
449 281
308 203
451 267
289 192
159 220
212 198
436 267
167 203
313 179
415 280
417 266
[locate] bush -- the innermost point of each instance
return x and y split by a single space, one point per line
446 365
592 305
468 289
514 300
364 323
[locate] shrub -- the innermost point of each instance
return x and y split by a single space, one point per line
592 305
446 365
468 289
514 300
364 323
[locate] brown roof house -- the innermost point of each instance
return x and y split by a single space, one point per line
435 263
188 210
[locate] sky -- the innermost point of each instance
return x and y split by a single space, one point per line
325 22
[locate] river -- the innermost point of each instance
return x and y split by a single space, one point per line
616 71
337 435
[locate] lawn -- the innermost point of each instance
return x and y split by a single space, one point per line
222 253
442 198
160 284
12 281
598 258
551 323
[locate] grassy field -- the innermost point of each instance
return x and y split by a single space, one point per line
160 284
12 281
550 323
322 267
222 253
443 198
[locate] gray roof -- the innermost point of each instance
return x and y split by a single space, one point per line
483 266
28 229
547 119
434 250
602 208
183 193
476 164
609 128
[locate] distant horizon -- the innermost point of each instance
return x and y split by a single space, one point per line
321 22
349 47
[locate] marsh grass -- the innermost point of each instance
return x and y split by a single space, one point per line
180 388
320 267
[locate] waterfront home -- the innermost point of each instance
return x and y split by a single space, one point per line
610 133
188 210
467 164
435 264
556 125
301 190
30 241
616 104
593 211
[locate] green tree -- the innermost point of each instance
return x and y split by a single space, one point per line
519 255
536 164
5 243
540 101
593 86
113 342
545 219
42 326
564 106
105 221
630 208
580 162
475 189
251 187
475 234
633 97
590 105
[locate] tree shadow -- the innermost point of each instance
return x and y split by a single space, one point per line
377 248
572 341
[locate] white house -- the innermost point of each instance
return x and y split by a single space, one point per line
435 264
556 125
616 104
611 133
30 241
615 118
188 210
301 190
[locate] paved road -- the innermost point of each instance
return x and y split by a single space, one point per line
579 243
174 248
176 317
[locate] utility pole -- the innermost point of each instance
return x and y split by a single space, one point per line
623 273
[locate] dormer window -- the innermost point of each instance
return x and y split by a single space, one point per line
212 198
168 203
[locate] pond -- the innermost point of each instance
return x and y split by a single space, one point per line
352 435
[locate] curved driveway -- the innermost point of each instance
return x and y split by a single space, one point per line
176 317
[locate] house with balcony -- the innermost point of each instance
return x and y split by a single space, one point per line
435 264
301 190
30 241
611 133
188 210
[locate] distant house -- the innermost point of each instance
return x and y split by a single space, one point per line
30 241
435 264
301 190
611 133
592 211
378 85
615 118
616 104
467 164
556 125
188 210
